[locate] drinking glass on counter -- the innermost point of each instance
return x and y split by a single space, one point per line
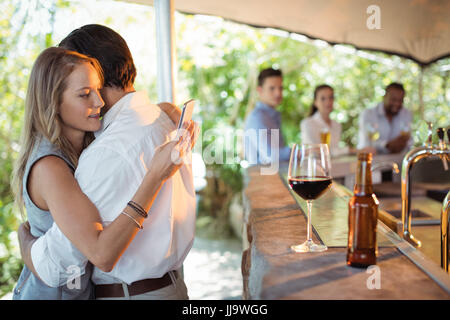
372 133
405 129
325 136
309 176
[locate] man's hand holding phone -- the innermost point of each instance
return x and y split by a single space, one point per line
186 116
188 130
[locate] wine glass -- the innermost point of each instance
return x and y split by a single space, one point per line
309 176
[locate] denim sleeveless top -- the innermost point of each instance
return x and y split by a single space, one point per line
29 287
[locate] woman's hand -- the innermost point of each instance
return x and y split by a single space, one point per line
25 237
168 157
26 241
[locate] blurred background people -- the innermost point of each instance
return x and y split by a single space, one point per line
263 138
386 127
319 127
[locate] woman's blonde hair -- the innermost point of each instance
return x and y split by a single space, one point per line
47 83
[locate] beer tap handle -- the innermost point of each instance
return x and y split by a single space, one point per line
441 134
442 146
448 139
429 142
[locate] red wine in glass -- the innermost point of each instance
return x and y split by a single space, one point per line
310 188
309 176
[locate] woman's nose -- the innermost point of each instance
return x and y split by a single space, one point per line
99 103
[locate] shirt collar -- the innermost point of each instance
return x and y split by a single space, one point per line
132 98
316 116
380 109
382 112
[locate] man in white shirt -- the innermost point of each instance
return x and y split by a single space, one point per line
387 126
109 172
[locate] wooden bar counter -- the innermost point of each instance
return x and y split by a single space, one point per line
274 220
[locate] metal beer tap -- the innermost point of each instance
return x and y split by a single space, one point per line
445 222
414 155
386 165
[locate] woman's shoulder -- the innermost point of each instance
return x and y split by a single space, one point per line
44 149
48 176
45 159
307 121
336 124
43 146
45 170
51 167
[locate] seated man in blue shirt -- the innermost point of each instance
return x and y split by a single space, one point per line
263 142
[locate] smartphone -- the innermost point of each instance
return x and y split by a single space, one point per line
186 115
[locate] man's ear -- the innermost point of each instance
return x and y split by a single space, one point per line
259 89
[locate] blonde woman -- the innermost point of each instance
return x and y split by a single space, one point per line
62 110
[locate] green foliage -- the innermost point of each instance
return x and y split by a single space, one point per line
19 47
10 262
12 84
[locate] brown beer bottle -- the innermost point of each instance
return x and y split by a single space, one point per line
362 217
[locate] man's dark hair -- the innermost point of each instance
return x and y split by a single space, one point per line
266 73
109 48
395 85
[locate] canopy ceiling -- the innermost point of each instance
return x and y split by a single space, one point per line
416 29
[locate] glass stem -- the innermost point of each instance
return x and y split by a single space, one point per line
309 204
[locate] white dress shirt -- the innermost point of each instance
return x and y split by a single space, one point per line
109 172
376 118
311 127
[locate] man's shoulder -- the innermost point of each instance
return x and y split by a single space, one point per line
153 117
406 112
374 108
254 112
258 115
264 111
136 123
370 111
139 128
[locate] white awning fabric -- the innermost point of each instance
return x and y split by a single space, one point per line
416 29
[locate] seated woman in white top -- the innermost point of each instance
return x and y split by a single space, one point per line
319 121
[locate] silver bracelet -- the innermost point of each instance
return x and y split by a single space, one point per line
135 221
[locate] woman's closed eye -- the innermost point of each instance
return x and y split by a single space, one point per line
85 94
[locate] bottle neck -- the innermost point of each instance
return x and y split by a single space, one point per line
363 185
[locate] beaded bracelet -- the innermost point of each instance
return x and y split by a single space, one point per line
136 207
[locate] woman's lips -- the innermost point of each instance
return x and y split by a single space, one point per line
95 116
